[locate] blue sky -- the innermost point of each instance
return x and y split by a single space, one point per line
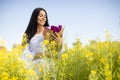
84 19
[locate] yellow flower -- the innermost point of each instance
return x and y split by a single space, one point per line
53 42
107 73
93 72
40 69
3 50
64 56
110 54
25 39
89 54
4 76
22 71
119 57
103 60
31 72
14 78
107 35
45 42
107 66
108 78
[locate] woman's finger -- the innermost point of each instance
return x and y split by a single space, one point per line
53 35
57 34
62 29
55 39
61 32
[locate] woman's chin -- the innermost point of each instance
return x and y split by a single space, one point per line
42 24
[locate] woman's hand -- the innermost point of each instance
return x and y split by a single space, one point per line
58 36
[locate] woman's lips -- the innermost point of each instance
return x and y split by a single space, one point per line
42 21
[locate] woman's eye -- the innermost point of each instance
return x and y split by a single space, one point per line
42 16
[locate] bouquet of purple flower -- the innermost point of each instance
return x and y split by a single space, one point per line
48 33
56 28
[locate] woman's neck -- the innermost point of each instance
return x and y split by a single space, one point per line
40 29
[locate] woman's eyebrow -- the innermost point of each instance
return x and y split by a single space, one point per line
42 15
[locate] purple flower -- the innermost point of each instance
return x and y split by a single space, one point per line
56 28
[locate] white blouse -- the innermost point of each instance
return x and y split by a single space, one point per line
33 47
35 43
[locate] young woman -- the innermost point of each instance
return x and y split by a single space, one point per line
36 33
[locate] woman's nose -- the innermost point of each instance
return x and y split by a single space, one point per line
43 18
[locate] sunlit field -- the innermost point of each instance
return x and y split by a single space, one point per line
98 60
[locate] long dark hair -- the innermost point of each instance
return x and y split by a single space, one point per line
32 26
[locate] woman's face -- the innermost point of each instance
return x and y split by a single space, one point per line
41 20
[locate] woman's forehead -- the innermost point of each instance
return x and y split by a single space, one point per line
42 12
